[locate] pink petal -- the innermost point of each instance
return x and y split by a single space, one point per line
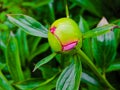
52 29
69 46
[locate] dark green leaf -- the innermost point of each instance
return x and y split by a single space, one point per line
36 84
35 43
28 24
48 71
104 47
42 48
4 84
48 84
99 31
88 5
2 45
70 77
86 46
44 60
113 67
13 59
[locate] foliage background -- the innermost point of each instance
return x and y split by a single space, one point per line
27 50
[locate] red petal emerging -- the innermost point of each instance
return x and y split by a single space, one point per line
69 46
52 29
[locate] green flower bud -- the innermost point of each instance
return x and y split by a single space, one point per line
64 35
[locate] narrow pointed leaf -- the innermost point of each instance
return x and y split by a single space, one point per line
70 77
28 24
28 84
99 31
44 60
83 25
13 59
35 43
36 83
22 44
89 79
4 84
113 67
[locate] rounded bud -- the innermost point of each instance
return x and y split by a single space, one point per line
64 35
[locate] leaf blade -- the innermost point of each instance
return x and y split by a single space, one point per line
70 77
4 84
28 24
113 67
44 60
99 30
13 59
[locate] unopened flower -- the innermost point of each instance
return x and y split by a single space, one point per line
64 35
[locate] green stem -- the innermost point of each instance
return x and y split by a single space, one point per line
87 61
66 9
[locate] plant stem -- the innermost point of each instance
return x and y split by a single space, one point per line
87 61
66 9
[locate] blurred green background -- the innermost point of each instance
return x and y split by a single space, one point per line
22 51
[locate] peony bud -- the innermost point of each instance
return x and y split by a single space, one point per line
64 35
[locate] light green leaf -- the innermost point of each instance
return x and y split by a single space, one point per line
2 65
36 4
99 31
22 44
113 67
70 77
28 24
89 79
13 59
45 60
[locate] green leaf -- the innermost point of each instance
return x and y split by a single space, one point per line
99 31
44 60
13 59
48 71
2 65
89 79
4 84
83 25
22 44
104 47
49 84
4 35
88 5
42 48
28 84
28 24
36 84
35 43
70 77
113 67
2 46
36 4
